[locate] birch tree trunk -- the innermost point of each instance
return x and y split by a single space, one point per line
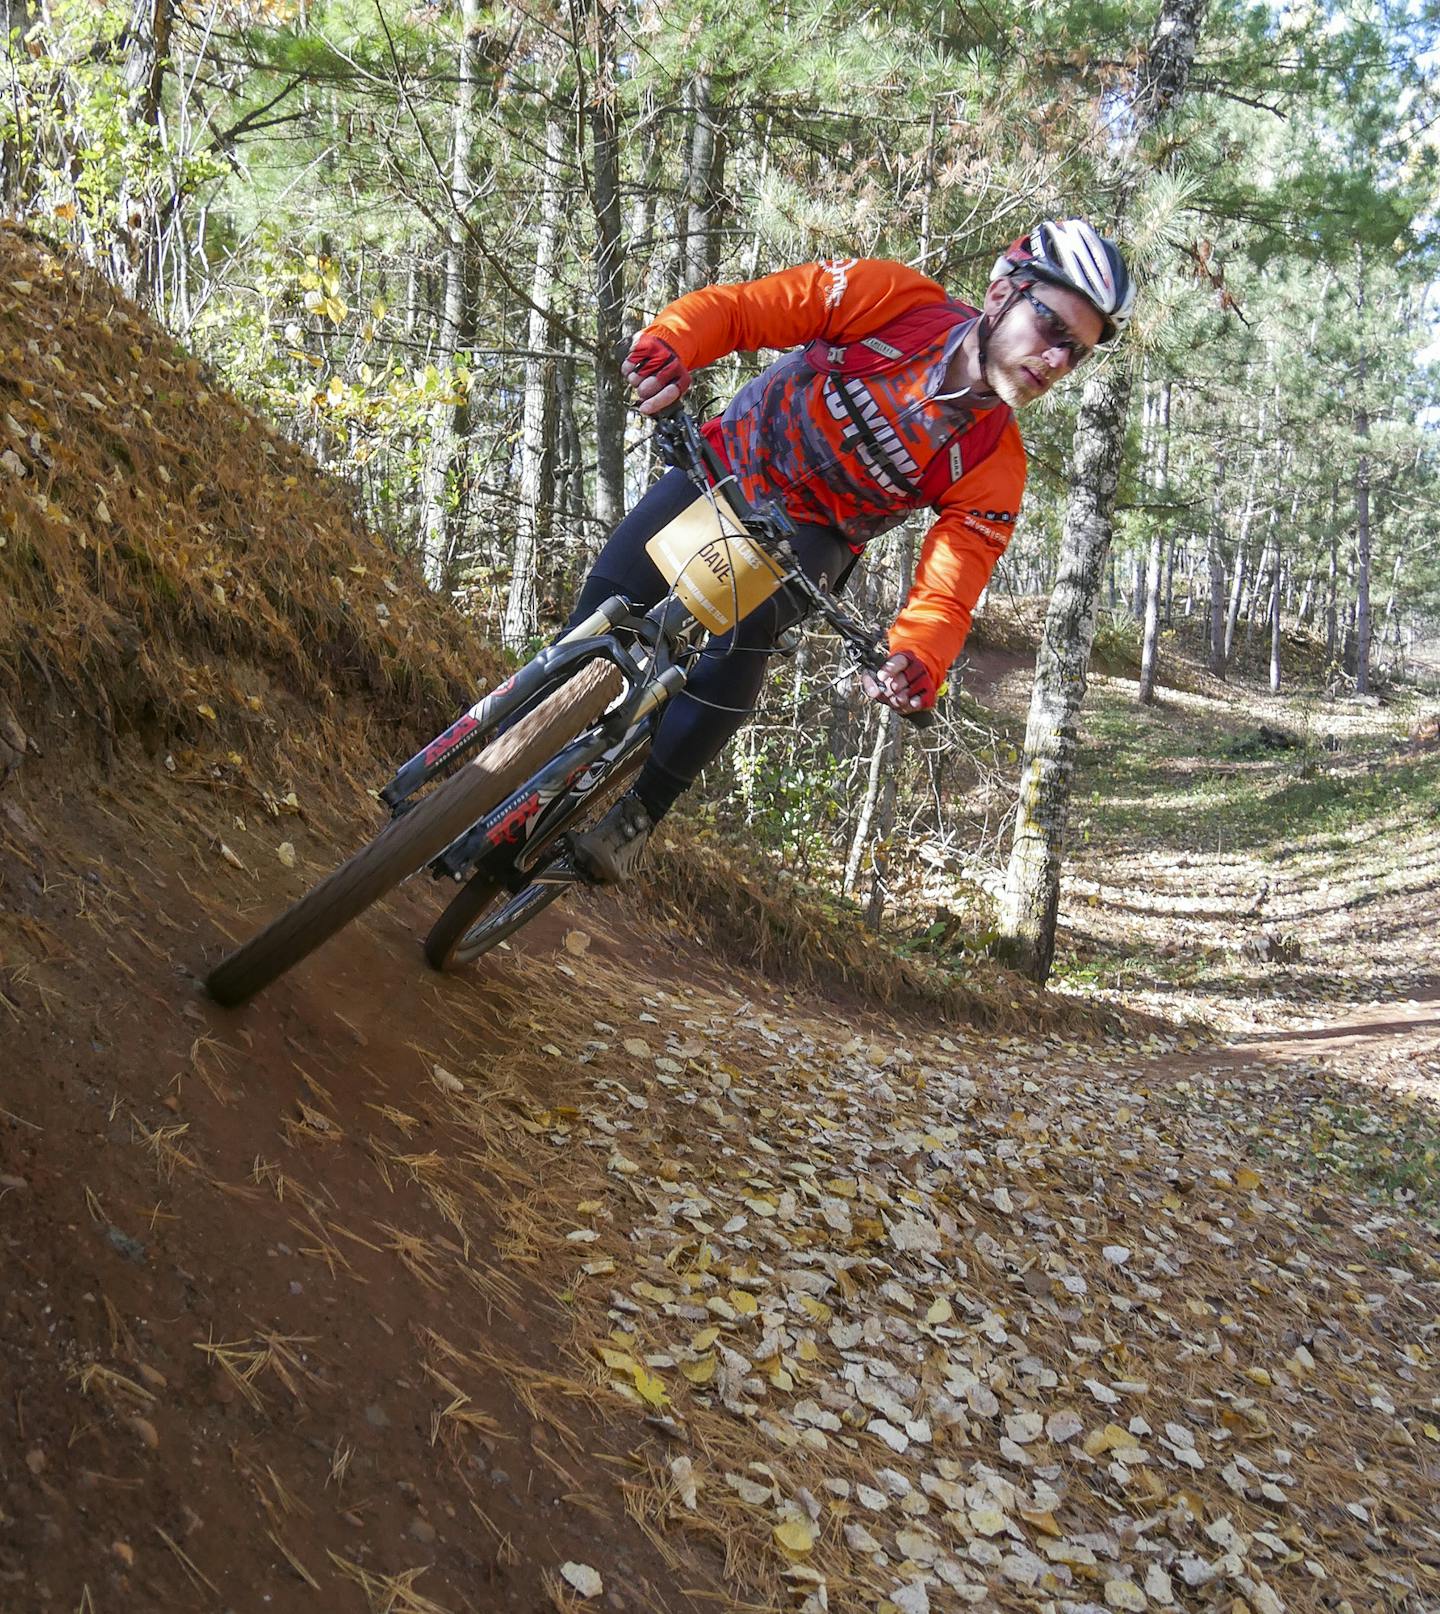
609 272
1031 902
533 529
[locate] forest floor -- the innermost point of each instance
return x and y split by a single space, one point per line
611 1274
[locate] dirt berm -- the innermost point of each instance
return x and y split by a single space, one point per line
609 1274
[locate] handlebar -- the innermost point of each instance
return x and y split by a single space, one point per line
682 445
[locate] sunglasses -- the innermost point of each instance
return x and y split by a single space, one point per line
1054 332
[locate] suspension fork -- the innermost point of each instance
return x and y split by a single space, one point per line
474 727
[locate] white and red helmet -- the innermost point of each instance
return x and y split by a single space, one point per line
1071 253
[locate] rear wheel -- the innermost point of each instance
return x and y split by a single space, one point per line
412 840
483 913
482 916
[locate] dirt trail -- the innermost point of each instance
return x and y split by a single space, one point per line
379 1285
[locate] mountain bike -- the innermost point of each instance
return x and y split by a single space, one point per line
490 804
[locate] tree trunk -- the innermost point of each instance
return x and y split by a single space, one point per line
439 501
1242 549
1032 884
1215 574
609 272
1362 560
14 20
1150 644
537 457
705 164
1275 623
877 811
133 248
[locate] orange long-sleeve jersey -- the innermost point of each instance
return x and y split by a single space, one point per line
787 436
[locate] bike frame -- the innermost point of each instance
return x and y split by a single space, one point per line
668 639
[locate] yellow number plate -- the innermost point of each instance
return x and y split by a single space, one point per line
712 563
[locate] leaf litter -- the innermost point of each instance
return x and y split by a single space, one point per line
944 1324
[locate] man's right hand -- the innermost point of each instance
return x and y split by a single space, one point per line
656 373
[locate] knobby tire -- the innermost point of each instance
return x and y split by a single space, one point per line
411 841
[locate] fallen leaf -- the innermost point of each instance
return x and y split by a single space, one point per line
583 1578
795 1536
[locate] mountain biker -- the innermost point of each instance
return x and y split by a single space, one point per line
898 398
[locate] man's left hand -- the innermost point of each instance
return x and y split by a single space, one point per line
904 683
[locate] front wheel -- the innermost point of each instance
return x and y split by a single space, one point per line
417 837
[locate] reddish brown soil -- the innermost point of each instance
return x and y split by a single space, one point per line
151 1206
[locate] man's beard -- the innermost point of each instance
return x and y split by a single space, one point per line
1010 383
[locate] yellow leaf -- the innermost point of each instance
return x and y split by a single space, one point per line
1044 1522
815 1309
795 1536
1258 1375
286 853
941 1311
1431 1432
808 1351
744 1302
207 712
621 1361
704 1339
700 1372
651 1291
1110 1438
1248 1179
650 1386
988 1521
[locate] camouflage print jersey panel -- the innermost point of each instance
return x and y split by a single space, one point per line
789 437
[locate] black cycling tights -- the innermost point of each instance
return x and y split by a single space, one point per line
725 685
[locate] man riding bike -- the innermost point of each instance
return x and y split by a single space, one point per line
898 398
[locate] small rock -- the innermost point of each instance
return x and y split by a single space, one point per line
35 1460
7 1181
377 1417
171 1102
131 1249
152 1376
296 1288
146 1430
498 1476
423 1531
124 1552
